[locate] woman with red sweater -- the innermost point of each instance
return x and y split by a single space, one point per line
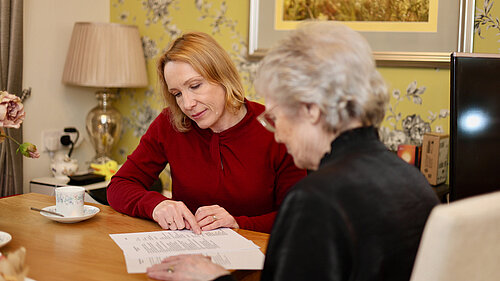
227 170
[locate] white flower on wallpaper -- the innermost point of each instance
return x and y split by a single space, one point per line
239 51
150 48
171 28
140 118
149 92
219 19
411 128
414 128
485 18
203 6
142 113
158 11
443 113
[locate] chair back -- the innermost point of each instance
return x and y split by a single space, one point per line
461 241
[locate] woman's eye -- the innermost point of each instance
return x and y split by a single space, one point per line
177 94
196 86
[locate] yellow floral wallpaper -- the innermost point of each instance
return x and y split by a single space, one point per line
160 21
487 27
419 103
420 96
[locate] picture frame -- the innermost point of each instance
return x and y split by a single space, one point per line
455 33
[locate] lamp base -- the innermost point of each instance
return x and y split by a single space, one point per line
103 126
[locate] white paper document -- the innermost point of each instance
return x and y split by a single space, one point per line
224 246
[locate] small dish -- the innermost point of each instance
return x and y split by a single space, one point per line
88 212
4 238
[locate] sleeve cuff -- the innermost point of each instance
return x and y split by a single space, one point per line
156 198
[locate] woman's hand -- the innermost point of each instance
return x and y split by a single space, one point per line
214 216
186 267
175 215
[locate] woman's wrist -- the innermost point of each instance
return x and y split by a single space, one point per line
156 208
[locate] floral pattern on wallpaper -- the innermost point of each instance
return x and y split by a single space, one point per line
485 19
142 115
162 14
159 11
162 21
408 128
239 51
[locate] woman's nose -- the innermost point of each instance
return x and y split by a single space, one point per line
189 102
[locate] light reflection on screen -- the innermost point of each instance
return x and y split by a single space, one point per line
473 121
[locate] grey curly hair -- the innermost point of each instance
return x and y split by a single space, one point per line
327 64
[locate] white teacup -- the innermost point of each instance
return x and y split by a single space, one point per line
69 201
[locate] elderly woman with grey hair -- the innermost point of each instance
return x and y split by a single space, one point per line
361 214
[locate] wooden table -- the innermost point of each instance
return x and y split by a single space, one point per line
83 250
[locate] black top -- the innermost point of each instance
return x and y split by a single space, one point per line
359 217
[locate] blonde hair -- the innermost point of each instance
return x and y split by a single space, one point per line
211 61
330 65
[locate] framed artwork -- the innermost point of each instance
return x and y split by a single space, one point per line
424 38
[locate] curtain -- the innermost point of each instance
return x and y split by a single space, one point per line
11 68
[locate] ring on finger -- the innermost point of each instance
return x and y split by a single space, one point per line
214 217
170 269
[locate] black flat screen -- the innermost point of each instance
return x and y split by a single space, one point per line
475 124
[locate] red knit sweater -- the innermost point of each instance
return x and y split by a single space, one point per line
241 169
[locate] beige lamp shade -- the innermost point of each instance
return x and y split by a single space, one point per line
105 55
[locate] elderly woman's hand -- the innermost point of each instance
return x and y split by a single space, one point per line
186 267
214 216
175 215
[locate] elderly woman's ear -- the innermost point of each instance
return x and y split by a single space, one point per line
311 112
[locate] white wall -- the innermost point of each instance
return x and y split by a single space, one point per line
47 31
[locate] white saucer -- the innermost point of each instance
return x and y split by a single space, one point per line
88 212
4 238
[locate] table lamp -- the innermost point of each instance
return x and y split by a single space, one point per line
107 56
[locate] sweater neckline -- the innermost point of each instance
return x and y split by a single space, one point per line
349 141
249 116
